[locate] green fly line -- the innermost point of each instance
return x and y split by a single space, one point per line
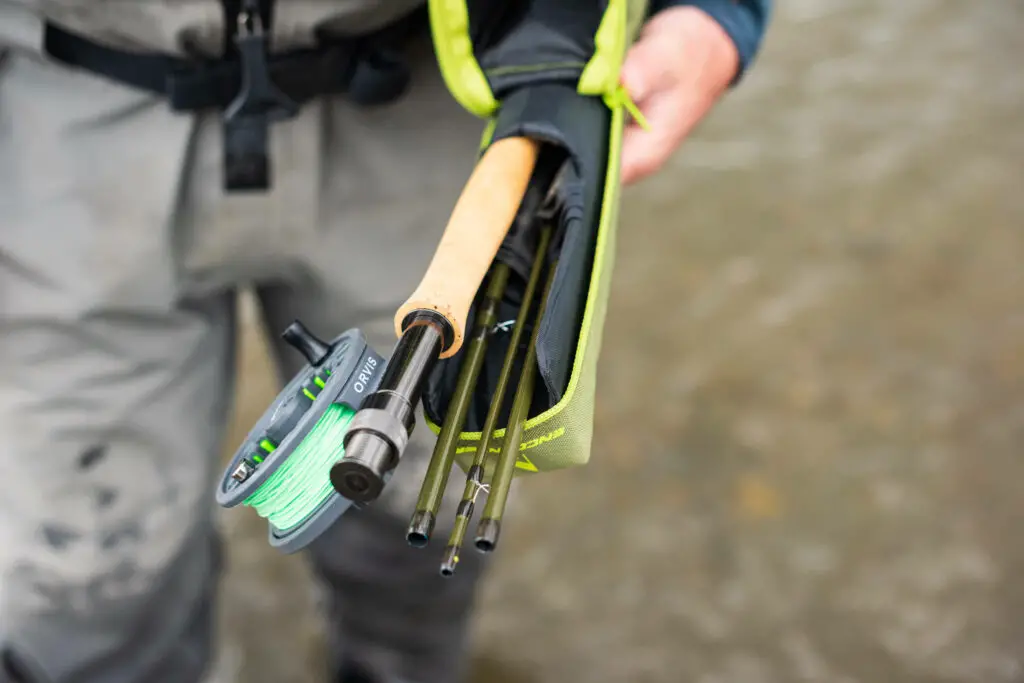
302 481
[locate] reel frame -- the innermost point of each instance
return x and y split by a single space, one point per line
353 370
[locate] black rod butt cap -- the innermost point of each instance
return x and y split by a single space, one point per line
355 481
314 350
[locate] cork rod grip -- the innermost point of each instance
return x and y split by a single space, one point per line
478 224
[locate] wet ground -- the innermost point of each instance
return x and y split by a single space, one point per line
809 459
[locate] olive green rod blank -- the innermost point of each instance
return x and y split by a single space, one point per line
475 474
488 530
436 479
443 457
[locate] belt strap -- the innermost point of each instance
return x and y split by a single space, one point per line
191 85
252 86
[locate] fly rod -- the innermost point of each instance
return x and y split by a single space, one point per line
436 478
501 482
475 473
443 457
431 324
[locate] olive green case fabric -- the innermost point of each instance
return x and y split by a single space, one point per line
548 69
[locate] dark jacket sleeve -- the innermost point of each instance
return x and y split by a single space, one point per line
744 20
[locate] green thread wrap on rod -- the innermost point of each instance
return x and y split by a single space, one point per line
302 482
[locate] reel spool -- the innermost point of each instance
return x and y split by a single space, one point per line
282 469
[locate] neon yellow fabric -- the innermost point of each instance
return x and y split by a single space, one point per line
449 27
619 27
465 79
561 436
601 74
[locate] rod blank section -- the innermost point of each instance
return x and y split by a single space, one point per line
478 225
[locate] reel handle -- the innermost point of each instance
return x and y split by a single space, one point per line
478 225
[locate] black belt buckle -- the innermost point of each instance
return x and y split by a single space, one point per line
248 117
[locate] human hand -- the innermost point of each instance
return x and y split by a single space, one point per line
681 64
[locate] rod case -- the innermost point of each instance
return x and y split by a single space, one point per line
548 69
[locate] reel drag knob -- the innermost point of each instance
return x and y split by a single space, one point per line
314 350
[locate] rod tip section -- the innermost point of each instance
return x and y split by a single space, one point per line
420 528
487 535
449 561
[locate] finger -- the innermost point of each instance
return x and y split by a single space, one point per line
645 151
672 116
645 70
640 161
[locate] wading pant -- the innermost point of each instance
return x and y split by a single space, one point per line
120 258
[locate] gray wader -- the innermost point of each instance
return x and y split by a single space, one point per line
120 258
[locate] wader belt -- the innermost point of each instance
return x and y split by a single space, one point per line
251 86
